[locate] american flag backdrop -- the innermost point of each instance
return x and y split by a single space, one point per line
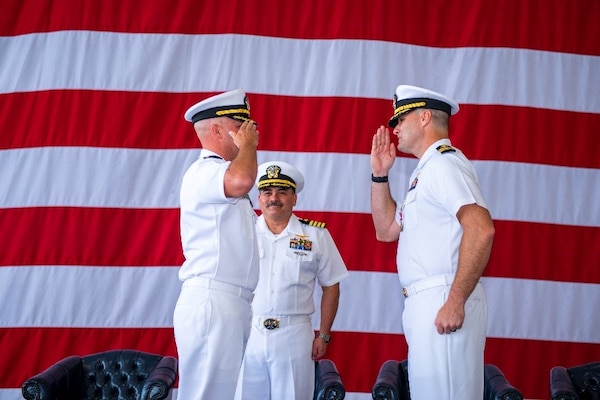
93 146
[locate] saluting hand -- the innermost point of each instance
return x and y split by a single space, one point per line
247 135
383 152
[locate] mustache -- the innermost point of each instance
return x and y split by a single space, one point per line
274 203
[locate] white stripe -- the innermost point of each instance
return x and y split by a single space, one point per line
348 396
354 68
71 296
92 176
15 394
531 309
357 396
136 178
518 308
11 394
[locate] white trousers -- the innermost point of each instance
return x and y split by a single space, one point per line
211 331
278 363
447 366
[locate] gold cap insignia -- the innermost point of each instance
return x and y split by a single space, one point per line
273 172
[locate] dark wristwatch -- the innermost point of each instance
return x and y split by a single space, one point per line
326 338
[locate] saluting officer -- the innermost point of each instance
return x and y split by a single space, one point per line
445 237
295 255
213 312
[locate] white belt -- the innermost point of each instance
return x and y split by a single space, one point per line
281 321
428 283
199 281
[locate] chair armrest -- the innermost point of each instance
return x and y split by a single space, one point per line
561 386
60 380
328 382
389 382
161 380
497 386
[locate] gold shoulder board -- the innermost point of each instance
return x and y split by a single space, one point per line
445 148
312 222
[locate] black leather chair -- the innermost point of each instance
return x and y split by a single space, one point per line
581 382
392 383
328 383
115 374
497 387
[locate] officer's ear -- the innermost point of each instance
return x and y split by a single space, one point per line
216 129
425 116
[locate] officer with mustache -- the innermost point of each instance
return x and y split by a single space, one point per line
295 254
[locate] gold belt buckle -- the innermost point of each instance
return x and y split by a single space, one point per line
271 323
405 292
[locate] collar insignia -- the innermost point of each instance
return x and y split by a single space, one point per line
413 184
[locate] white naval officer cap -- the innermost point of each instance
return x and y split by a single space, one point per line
279 174
233 104
408 98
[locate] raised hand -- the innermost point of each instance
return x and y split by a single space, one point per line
383 152
247 135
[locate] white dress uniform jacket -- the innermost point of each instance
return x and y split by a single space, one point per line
278 362
427 258
212 315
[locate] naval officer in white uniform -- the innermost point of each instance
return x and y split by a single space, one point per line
445 235
213 312
295 255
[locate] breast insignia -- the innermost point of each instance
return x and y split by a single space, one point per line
445 148
313 223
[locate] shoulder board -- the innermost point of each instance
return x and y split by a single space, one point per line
445 148
312 222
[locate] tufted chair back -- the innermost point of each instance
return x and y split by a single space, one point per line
115 374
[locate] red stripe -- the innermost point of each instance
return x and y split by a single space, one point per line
28 351
72 236
511 257
559 25
527 363
358 356
545 251
524 134
300 124
90 236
